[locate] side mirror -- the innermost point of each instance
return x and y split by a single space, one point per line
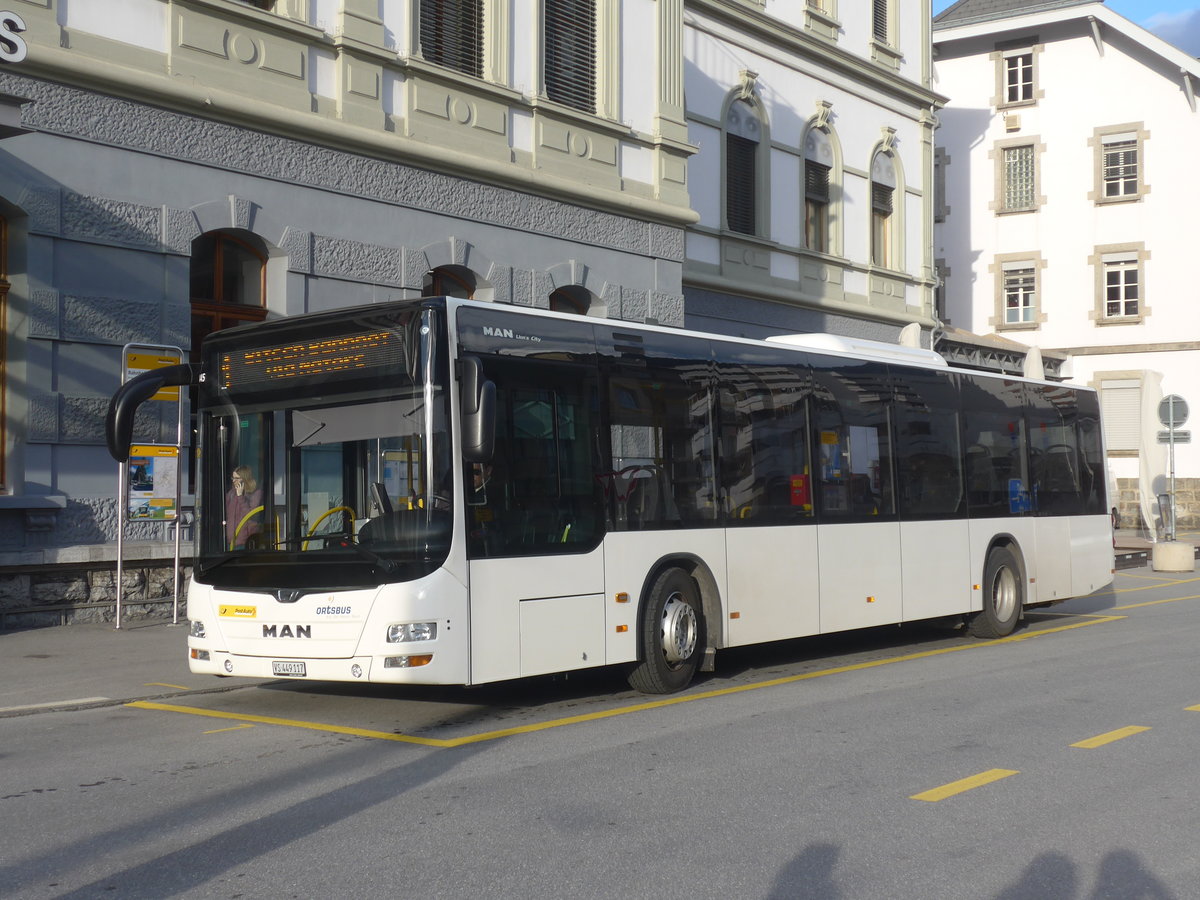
118 424
478 412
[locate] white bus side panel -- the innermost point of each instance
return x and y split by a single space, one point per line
511 641
937 569
628 558
1092 553
859 575
1053 551
1022 529
773 583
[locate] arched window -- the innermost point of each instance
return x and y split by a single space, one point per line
449 281
571 299
883 189
228 277
743 134
818 166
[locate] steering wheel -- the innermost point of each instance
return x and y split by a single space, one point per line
324 516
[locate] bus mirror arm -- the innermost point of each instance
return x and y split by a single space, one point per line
479 412
122 409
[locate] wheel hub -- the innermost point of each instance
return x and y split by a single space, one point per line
680 629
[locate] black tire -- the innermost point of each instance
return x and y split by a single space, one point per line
671 635
1003 596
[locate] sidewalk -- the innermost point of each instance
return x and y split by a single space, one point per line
79 666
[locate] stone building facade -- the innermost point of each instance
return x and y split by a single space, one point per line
172 167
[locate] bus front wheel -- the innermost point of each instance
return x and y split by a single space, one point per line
1003 596
672 635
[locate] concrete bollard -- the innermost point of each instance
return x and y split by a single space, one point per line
1173 556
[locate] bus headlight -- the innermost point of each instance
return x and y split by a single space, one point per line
416 631
197 629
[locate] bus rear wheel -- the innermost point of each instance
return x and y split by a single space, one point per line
1003 596
672 635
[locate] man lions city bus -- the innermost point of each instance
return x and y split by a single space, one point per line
443 491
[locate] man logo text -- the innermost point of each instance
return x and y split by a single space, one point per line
300 631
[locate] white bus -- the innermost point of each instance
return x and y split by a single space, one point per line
443 491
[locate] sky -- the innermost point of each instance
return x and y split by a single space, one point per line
1177 21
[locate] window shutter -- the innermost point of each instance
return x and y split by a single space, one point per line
741 183
1120 404
881 199
816 181
879 20
570 53
451 33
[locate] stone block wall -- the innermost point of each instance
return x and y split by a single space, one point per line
66 593
1187 504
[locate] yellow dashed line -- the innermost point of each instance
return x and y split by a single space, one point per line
231 728
1157 602
1108 737
964 784
611 713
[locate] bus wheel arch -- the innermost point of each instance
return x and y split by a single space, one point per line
1004 589
675 615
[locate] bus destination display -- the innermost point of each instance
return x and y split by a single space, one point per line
356 355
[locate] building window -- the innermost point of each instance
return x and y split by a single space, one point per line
449 281
571 298
228 287
1121 411
1120 163
1019 180
451 34
1120 288
1120 167
1017 75
880 21
1120 284
883 189
1018 78
1020 293
743 135
570 53
816 206
1018 278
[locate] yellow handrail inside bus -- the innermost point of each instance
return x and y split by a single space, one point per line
324 516
245 519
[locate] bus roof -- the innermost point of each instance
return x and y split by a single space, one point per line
914 356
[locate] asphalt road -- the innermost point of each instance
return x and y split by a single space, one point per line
903 762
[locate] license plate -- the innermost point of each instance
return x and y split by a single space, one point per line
287 667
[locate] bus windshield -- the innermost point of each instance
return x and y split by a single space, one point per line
326 455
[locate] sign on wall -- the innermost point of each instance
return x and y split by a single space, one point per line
13 48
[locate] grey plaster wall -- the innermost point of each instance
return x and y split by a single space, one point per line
750 318
110 194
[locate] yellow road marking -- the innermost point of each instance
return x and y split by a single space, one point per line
1150 587
963 784
619 711
231 728
1108 737
1193 708
182 687
1157 602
